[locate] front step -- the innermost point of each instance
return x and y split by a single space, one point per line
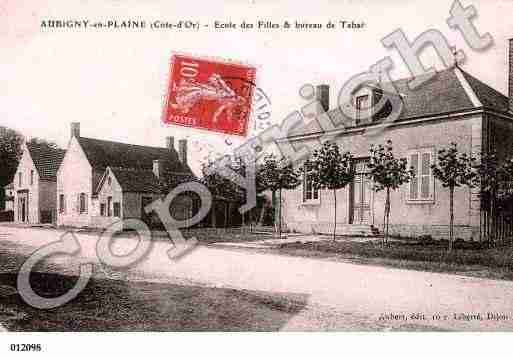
364 230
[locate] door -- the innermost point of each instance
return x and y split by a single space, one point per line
361 195
145 217
23 206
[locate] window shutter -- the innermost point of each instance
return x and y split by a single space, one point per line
414 183
77 207
425 185
86 200
307 190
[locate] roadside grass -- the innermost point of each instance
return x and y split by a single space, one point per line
203 235
213 235
108 304
494 263
114 305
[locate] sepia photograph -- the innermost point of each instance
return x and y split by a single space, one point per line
174 170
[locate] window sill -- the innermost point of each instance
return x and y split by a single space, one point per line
420 201
311 203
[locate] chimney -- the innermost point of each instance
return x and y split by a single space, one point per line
323 96
170 142
510 75
158 168
182 151
75 129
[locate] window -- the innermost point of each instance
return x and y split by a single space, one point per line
102 209
310 193
31 177
117 209
83 203
62 204
109 206
422 186
109 181
362 104
19 179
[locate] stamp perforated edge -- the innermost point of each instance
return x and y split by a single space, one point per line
225 61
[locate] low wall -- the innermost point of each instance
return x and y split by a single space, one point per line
435 231
403 230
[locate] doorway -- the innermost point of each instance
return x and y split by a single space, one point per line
360 195
23 207
145 216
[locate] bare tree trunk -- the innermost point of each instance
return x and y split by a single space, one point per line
279 215
480 224
274 206
510 223
226 214
335 214
387 214
214 224
489 220
451 221
494 219
384 223
262 213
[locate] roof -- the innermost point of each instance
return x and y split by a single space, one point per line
488 96
46 159
102 154
132 180
141 181
444 93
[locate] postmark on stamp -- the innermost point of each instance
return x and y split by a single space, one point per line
201 94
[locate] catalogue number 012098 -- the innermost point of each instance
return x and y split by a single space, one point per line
25 347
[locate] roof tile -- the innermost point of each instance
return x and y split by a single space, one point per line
132 180
102 154
46 159
441 94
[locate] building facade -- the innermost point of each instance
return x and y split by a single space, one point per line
452 107
100 182
35 184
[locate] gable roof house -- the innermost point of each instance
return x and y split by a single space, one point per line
100 182
453 106
34 184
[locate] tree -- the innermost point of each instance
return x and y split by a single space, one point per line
220 187
494 178
489 175
276 175
387 173
453 169
506 193
330 169
10 154
43 143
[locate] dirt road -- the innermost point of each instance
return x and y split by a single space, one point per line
355 297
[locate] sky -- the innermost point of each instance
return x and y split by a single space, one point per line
113 82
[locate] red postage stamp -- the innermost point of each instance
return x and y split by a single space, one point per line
209 94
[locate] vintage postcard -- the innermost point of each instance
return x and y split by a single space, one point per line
255 166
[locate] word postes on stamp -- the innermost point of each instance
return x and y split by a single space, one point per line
202 94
